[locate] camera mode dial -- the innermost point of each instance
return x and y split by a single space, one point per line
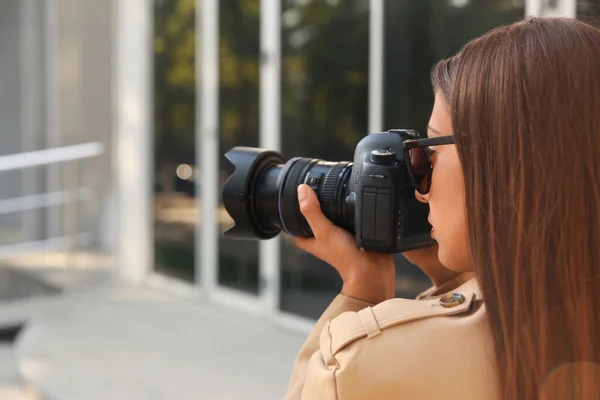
383 157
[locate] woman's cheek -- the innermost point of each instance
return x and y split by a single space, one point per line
447 205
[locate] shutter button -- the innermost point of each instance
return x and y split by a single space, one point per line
452 300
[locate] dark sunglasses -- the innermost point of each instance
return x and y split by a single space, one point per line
417 154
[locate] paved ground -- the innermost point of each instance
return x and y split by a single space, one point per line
141 344
11 384
88 338
12 314
24 294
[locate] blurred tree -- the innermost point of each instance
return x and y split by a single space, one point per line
325 69
174 136
174 87
239 48
589 11
420 33
325 77
325 56
324 111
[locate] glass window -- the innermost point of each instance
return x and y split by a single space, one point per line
589 11
417 35
175 211
420 33
325 59
325 98
239 47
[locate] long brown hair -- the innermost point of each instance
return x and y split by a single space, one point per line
525 104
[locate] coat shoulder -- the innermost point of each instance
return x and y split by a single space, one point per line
432 348
372 321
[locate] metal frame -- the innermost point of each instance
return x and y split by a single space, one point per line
207 140
50 156
270 137
207 148
376 65
287 319
69 198
32 94
49 199
545 8
132 138
270 251
52 101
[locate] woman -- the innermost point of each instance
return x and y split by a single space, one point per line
514 196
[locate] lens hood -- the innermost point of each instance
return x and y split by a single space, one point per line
239 191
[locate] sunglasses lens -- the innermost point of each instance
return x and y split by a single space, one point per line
420 168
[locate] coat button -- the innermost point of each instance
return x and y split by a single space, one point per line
452 300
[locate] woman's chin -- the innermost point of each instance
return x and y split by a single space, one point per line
449 258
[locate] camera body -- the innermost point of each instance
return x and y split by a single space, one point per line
371 197
387 216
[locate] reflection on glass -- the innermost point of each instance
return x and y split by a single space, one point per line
175 211
589 11
239 47
324 115
418 34
324 99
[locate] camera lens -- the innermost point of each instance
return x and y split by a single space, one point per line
261 193
250 192
330 182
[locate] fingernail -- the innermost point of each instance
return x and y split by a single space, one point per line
302 192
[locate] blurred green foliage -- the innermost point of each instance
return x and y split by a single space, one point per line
324 68
174 81
324 85
239 73
420 33
324 77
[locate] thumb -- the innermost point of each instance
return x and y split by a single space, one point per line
320 225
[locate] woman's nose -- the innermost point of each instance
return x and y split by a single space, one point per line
423 198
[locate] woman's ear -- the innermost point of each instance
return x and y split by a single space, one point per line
423 198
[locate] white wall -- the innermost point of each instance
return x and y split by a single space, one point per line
55 89
10 97
85 73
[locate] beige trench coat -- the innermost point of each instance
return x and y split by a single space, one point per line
437 346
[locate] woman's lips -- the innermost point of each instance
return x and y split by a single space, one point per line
432 228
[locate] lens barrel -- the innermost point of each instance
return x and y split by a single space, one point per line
330 182
261 193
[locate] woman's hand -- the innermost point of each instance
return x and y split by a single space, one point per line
427 260
369 277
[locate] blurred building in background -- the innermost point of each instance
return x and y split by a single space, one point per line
308 78
114 119
161 89
55 90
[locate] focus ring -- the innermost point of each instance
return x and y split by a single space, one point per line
329 189
293 221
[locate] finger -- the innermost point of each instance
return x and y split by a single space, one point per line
311 246
306 244
320 225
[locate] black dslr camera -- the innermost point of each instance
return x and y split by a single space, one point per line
373 197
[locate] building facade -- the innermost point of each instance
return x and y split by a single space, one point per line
169 86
